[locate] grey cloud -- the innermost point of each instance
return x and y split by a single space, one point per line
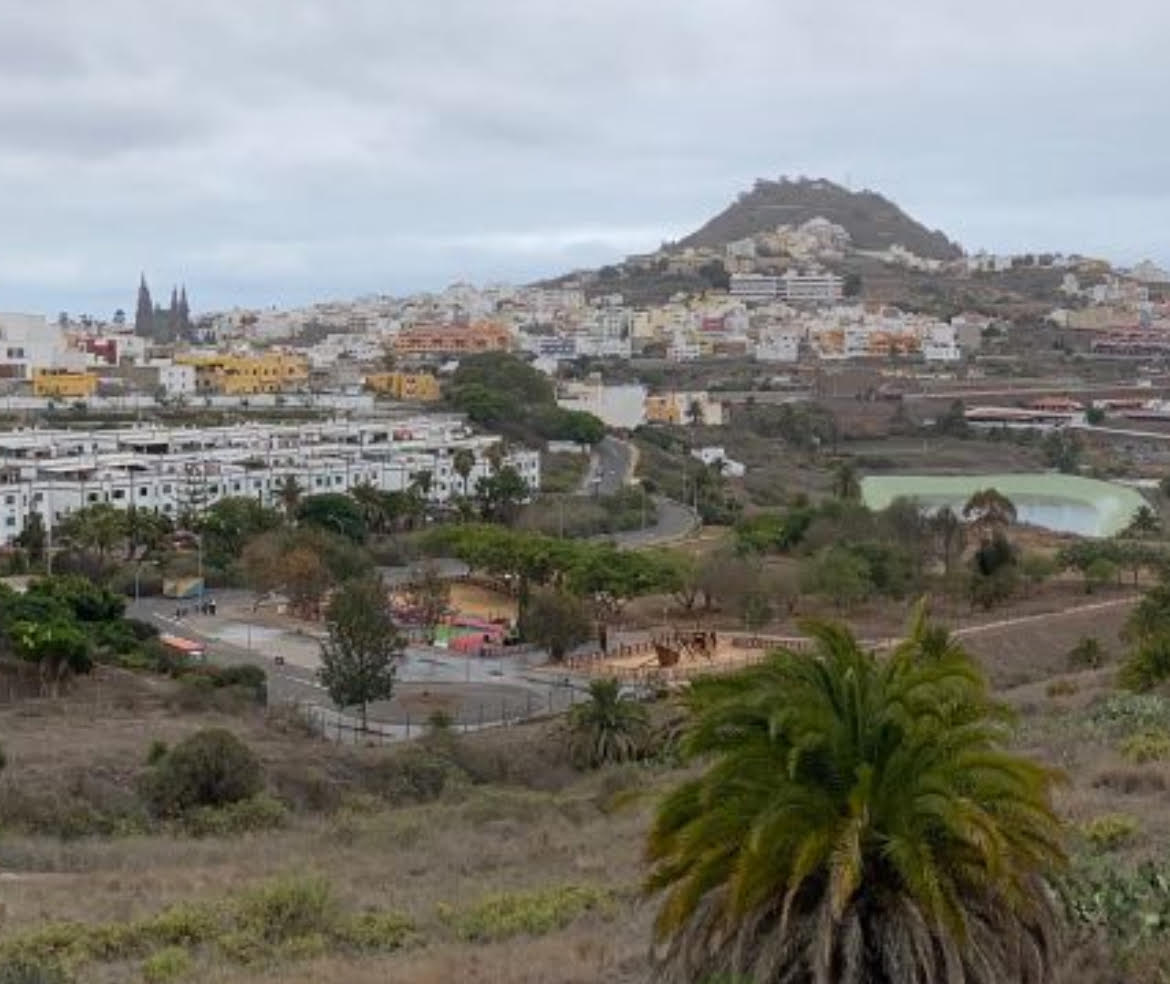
277 149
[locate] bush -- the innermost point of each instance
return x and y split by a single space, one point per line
1110 830
211 768
287 908
156 752
1148 746
1147 665
375 931
508 914
261 812
167 965
1119 715
29 970
1087 654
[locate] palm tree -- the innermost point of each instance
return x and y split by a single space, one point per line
948 528
846 485
860 821
373 505
607 727
289 492
463 462
989 509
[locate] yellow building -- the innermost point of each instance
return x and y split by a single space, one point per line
419 387
246 375
64 383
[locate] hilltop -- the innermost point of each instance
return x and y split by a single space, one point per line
872 221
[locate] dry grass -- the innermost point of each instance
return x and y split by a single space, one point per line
515 820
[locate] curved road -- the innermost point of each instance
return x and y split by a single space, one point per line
612 468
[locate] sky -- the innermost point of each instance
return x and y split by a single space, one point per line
276 152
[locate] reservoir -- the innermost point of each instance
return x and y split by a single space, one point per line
1062 503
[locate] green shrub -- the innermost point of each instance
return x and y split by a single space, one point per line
1124 714
287 908
508 914
1087 654
28 970
167 965
1147 665
260 812
1147 746
156 752
375 931
1110 830
243 947
210 768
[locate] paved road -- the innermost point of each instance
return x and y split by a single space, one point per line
614 460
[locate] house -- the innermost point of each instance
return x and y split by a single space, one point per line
713 455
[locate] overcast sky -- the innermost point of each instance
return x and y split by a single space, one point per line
279 151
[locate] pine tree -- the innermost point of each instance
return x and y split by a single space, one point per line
144 313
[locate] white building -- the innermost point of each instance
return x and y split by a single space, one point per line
173 471
622 406
815 286
940 343
754 286
28 341
716 455
778 346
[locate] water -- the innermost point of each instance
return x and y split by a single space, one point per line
1062 503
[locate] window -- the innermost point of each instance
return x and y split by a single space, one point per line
119 494
143 491
10 521
92 497
166 490
10 500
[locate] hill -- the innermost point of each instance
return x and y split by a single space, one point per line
873 222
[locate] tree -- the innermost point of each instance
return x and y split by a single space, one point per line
336 512
989 510
607 727
289 492
501 495
230 522
994 571
953 422
360 657
951 536
99 528
303 564
556 621
33 538
371 501
58 647
144 311
1095 416
430 595
846 485
1145 522
1099 573
859 821
838 573
211 768
463 462
1037 568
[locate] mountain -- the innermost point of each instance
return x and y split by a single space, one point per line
874 222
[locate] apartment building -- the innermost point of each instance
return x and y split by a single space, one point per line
176 470
452 339
684 407
28 341
246 375
64 384
414 387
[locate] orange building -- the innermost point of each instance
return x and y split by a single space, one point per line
452 339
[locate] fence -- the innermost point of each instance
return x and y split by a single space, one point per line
471 716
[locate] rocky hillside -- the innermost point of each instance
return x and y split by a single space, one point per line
874 222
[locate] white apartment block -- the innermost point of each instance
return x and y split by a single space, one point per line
28 341
818 287
940 343
778 346
754 286
55 472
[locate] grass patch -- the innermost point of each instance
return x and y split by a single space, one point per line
1148 746
1110 830
498 917
289 918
